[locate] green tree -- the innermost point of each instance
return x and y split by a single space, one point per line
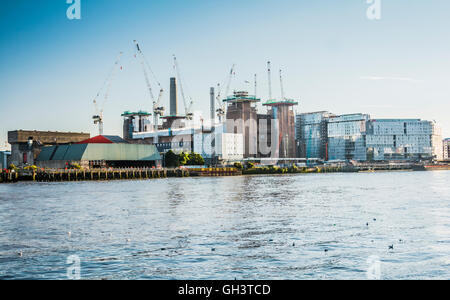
171 160
238 165
184 158
195 160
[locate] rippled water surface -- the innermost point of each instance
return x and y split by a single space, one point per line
262 227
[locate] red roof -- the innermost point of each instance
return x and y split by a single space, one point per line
102 139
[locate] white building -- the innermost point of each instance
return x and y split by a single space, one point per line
357 137
403 139
226 147
446 145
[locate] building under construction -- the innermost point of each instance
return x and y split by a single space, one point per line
242 118
283 131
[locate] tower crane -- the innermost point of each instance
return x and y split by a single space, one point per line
269 73
187 107
256 85
158 110
98 117
221 110
221 106
282 87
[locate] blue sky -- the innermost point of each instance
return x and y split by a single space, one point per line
332 56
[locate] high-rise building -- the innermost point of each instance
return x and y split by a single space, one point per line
446 146
282 114
312 134
242 118
347 137
403 139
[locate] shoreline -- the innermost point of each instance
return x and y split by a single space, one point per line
149 174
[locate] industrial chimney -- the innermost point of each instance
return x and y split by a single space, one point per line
173 97
213 109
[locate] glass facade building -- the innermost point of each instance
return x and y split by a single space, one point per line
312 134
357 137
347 137
446 144
402 139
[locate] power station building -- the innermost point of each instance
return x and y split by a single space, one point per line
283 132
242 118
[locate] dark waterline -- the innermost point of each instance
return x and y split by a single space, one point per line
258 227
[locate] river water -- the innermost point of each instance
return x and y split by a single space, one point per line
314 226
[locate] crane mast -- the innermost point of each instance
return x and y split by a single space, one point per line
281 86
188 108
158 110
98 117
270 79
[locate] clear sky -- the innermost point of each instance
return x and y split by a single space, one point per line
333 57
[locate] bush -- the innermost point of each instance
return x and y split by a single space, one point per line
238 165
250 165
195 159
171 160
75 166
34 168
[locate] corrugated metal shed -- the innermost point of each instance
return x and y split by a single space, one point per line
100 152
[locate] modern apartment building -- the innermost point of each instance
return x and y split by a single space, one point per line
311 130
357 137
403 139
347 137
446 146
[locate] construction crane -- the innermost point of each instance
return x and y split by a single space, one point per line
158 110
282 87
256 85
221 110
187 107
98 117
269 73
229 81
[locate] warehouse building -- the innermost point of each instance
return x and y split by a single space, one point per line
26 145
100 152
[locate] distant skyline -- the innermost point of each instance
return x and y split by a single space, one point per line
332 56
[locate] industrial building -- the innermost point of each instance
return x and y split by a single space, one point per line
184 133
26 145
282 113
98 152
242 118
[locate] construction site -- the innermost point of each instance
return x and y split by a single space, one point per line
233 132
240 128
